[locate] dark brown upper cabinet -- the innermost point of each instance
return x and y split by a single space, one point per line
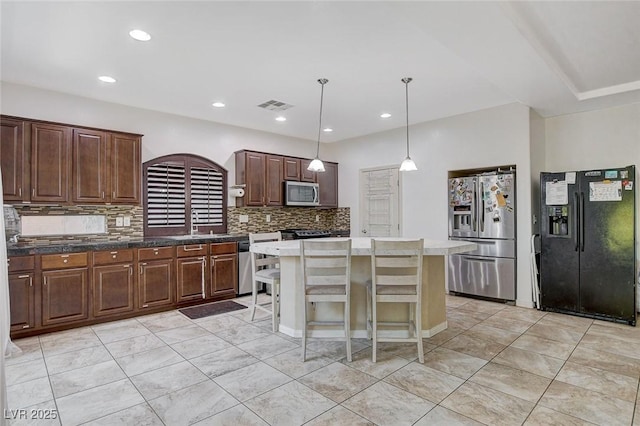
263 176
14 150
328 185
50 165
46 162
292 169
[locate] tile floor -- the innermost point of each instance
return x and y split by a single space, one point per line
495 365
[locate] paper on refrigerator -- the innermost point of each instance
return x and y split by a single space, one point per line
557 193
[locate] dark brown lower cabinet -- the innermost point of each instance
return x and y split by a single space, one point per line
192 278
21 297
65 296
155 280
112 289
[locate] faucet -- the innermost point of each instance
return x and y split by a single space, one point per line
194 219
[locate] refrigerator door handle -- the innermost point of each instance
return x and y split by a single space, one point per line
576 233
474 209
482 206
582 236
479 259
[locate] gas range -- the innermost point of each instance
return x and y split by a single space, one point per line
300 234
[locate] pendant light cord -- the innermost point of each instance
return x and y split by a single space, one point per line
406 82
322 82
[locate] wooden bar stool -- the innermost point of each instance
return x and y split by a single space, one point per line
266 269
326 277
396 272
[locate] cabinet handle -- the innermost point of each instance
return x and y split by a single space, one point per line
65 261
25 326
113 195
145 306
103 195
33 192
45 280
204 266
192 249
20 192
130 269
140 269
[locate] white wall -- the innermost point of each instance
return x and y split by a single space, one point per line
600 139
492 137
537 152
163 133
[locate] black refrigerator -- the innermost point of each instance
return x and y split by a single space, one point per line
587 243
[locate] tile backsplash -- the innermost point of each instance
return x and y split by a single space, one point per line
268 219
260 219
109 213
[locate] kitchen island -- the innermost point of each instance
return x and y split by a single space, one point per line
433 288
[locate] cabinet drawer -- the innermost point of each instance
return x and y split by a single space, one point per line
58 261
155 253
223 248
21 263
189 250
113 256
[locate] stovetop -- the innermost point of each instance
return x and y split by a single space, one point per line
305 233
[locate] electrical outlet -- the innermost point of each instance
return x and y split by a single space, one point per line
127 221
267 218
317 218
243 218
119 221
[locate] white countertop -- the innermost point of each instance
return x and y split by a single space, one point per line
361 246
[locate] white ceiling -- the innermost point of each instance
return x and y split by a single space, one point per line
558 57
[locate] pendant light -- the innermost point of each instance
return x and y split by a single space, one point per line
408 164
316 165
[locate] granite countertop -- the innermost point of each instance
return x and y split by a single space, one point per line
74 246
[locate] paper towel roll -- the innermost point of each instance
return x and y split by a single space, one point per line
236 192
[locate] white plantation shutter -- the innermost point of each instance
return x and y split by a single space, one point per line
166 205
184 190
207 200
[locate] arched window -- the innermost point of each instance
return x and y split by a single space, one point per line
184 192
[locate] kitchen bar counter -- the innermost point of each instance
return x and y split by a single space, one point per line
433 295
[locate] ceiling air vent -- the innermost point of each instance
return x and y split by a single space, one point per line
274 105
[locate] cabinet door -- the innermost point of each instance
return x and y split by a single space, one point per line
291 169
64 296
192 275
22 301
255 169
112 289
306 175
224 274
328 183
273 180
125 175
14 163
155 281
50 154
89 165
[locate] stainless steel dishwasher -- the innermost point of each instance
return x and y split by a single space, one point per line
244 268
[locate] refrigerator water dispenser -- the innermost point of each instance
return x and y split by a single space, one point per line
558 217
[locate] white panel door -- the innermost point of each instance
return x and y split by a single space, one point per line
379 203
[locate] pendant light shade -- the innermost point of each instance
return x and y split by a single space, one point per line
408 164
316 165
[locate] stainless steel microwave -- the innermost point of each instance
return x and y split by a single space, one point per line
301 194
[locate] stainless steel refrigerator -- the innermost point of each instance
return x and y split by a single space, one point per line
587 243
482 209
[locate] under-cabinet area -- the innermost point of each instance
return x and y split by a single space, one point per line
54 291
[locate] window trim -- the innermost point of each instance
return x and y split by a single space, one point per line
188 161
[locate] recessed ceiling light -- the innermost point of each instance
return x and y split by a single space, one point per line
140 35
218 104
385 115
327 129
107 79
281 118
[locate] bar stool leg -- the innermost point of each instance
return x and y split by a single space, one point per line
418 329
304 329
254 298
347 328
374 325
